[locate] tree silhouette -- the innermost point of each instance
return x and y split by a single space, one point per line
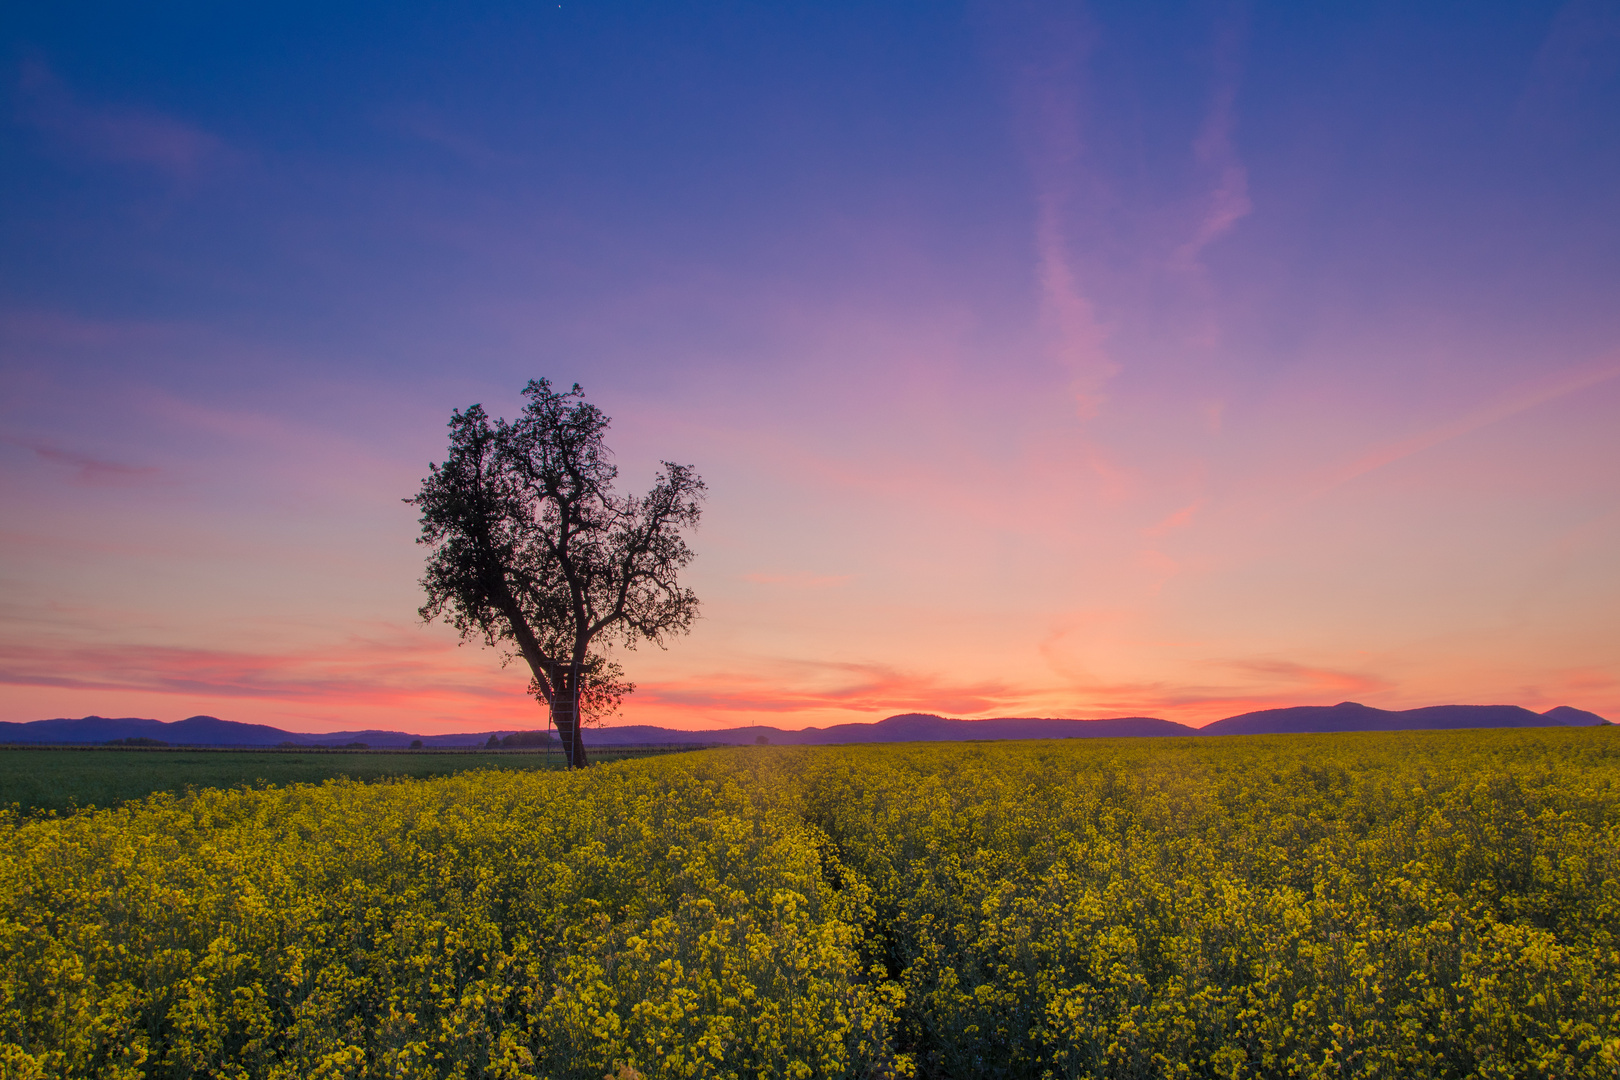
532 551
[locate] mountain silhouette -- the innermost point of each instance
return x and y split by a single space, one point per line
1569 717
212 731
907 727
1353 716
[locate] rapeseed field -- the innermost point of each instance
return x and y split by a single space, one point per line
1408 905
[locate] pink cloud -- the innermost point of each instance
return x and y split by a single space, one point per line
1521 400
1299 678
1178 520
818 686
118 134
1047 65
417 676
1227 200
1585 680
395 681
57 330
1276 685
1188 684
1047 474
87 469
365 672
1079 345
437 128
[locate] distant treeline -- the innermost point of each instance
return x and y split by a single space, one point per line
324 746
520 739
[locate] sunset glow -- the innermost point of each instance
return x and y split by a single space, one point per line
1041 360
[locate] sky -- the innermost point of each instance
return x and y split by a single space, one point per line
1041 358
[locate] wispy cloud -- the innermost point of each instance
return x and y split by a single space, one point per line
86 468
1178 520
436 128
1189 681
42 329
116 133
356 671
819 686
1047 66
1080 337
1237 686
1580 54
1520 400
1295 678
1226 200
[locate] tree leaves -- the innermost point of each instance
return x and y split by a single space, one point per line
530 549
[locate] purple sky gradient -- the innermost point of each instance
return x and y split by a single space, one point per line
1041 359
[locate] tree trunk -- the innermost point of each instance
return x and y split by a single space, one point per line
561 681
565 714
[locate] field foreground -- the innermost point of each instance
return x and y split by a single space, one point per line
1404 905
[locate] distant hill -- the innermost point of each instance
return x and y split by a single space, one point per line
911 727
908 727
1353 716
212 731
1568 717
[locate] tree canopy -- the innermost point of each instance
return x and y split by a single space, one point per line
531 550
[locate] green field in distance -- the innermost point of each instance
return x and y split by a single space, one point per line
68 778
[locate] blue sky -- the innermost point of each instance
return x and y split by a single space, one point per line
1072 359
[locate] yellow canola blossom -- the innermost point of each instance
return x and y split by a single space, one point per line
1417 905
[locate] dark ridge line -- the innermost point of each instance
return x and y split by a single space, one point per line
907 727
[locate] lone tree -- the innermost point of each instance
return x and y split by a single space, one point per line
530 550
